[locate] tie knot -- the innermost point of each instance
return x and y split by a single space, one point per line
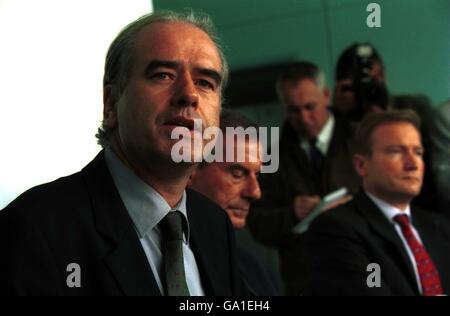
313 142
172 226
402 219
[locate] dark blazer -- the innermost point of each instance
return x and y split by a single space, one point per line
272 218
342 242
258 279
82 219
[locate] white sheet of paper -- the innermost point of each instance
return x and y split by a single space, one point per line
303 226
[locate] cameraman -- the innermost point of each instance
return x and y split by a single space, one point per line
360 88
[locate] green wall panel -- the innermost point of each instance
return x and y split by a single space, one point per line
414 39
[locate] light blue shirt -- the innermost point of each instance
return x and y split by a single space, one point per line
390 212
147 208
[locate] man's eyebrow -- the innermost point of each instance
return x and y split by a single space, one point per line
154 64
211 73
239 167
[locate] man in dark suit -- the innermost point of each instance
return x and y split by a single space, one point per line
361 87
234 186
378 244
315 160
125 225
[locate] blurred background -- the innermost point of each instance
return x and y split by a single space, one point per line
52 54
259 35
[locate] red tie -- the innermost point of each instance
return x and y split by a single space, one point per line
428 274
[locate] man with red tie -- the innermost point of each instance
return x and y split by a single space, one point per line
378 244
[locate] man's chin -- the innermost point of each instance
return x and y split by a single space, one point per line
238 223
409 193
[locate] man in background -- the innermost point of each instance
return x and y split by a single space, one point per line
315 160
234 186
380 244
361 88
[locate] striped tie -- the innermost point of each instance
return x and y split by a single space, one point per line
428 274
172 231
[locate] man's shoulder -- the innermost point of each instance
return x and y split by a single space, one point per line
345 213
47 199
345 218
198 204
431 221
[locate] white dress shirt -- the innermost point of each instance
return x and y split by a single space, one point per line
390 212
323 139
147 208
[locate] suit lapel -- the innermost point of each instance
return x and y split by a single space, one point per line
215 278
380 224
126 259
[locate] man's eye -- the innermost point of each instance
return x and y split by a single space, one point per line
161 76
237 174
205 84
419 152
310 107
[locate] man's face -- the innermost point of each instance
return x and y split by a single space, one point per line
175 78
394 170
305 106
232 185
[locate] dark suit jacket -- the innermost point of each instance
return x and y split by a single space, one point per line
342 242
82 219
259 280
272 218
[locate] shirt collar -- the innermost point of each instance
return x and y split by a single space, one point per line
144 204
324 137
388 210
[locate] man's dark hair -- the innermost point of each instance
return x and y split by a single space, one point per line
363 136
230 118
346 64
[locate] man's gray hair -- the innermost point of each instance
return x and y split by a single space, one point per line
119 58
298 71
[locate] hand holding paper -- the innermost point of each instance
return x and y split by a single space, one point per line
305 204
330 201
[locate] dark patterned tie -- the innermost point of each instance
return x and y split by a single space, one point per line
428 274
172 231
316 157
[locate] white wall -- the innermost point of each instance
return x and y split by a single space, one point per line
51 67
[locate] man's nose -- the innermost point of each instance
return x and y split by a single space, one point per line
304 116
412 160
252 190
186 94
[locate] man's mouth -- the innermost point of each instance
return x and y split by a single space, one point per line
411 178
180 121
239 212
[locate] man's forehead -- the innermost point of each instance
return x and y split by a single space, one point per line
396 133
175 40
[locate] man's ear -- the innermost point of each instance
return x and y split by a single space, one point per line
109 107
360 164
